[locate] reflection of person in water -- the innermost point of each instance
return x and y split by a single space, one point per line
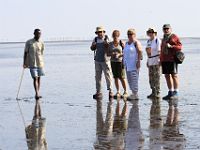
134 138
156 124
35 132
119 127
103 128
172 138
110 133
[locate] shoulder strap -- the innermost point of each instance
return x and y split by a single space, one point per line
95 39
121 44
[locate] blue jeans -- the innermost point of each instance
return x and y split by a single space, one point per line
36 72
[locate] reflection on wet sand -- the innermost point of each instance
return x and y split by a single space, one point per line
36 132
172 138
134 139
110 133
156 125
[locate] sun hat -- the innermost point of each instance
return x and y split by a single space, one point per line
100 29
166 26
151 30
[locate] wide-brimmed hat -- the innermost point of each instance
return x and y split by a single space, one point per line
166 26
151 30
100 29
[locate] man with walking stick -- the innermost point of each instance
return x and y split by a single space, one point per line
33 59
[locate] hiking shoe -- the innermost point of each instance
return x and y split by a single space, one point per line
174 95
168 96
117 95
98 96
133 97
111 95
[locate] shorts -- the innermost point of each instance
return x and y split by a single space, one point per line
36 72
118 70
169 68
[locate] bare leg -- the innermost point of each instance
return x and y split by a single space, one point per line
169 81
175 81
117 84
123 84
38 83
35 83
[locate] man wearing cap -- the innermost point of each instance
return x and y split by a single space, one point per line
153 63
100 46
33 59
170 45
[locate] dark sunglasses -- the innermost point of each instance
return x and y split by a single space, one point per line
100 32
165 28
129 34
149 32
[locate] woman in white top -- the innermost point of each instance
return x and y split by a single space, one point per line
132 59
153 63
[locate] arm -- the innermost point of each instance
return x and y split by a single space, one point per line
139 49
93 46
176 43
123 45
25 55
42 48
109 52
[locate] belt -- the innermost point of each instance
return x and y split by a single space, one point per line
154 56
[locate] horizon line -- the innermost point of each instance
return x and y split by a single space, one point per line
80 40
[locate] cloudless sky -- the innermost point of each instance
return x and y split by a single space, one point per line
79 18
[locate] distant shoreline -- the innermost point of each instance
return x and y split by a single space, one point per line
63 41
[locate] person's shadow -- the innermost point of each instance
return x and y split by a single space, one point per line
171 136
111 130
134 139
36 131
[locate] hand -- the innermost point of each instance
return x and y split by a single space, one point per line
94 43
93 46
24 66
138 65
116 55
168 45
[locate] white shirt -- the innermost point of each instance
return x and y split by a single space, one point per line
155 45
130 57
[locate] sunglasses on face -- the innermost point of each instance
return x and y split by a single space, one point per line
166 29
100 32
130 34
150 32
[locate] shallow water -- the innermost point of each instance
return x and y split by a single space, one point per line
77 122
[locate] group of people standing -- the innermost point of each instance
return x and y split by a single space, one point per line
119 58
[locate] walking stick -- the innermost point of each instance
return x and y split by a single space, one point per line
20 83
17 98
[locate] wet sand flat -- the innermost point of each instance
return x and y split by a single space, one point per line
74 121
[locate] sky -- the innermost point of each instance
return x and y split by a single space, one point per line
77 19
